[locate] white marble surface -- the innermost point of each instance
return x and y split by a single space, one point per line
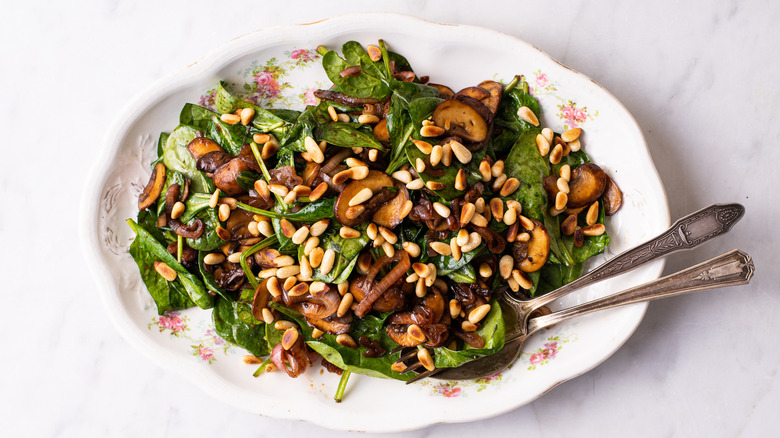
700 78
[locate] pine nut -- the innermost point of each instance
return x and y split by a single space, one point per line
374 53
431 131
468 326
566 172
283 325
388 248
416 184
441 248
364 263
368 119
287 228
514 205
511 232
213 258
267 273
479 205
361 197
461 183
344 118
505 266
306 269
556 154
592 216
499 182
332 113
436 154
594 230
548 134
398 367
522 279
485 271
316 333
467 213
431 278
268 316
424 356
289 338
419 289
441 209
415 332
261 138
411 248
461 153
523 237
283 260
288 271
349 233
328 259
343 288
526 223
455 308
406 209
422 145
560 200
421 269
311 243
446 155
434 185
289 282
542 144
246 116
252 228
510 217
419 165
568 225
497 208
389 236
455 249
165 271
484 169
278 189
403 175
315 256
346 340
318 288
479 220
478 313
526 114
575 145
273 287
462 237
571 135
346 302
223 233
313 149
265 229
474 241
412 278
235 257
214 200
319 227
230 119
177 210
261 187
372 230
373 154
563 185
510 186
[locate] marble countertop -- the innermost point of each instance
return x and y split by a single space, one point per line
700 78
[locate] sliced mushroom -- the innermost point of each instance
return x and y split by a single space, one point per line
202 146
531 256
612 198
550 185
463 118
153 188
473 92
212 161
587 184
445 92
388 215
260 300
398 334
225 176
495 91
380 131
435 302
332 327
375 181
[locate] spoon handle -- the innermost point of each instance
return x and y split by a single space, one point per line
687 233
730 269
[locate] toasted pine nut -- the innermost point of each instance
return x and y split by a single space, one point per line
328 259
388 248
389 236
318 288
214 200
499 182
575 145
287 228
461 182
415 332
360 197
398 367
313 149
563 185
434 185
571 135
346 301
560 200
267 273
441 209
505 266
556 154
479 220
485 271
246 116
289 282
374 53
283 260
478 313
462 237
343 288
412 248
526 114
213 258
455 308
416 184
311 243
522 279
265 229
288 271
422 145
368 119
431 131
306 269
261 186
474 241
461 153
421 269
566 172
510 186
315 256
419 289
424 356
252 228
484 169
349 233
230 119
455 249
592 216
419 165
289 338
548 134
178 210
274 288
346 340
542 144
251 360
436 154
223 233
468 326
332 113
510 217
235 257
373 154
479 205
446 155
594 230
283 325
441 248
261 138
523 237
402 175
278 189
568 225
497 208
467 212
165 271
372 230
412 278
319 227
406 209
526 223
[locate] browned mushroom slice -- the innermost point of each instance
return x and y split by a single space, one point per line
550 184
225 176
375 181
612 198
260 300
380 131
435 302
392 300
332 327
445 92
388 215
398 334
153 188
202 146
212 161
495 91
473 92
531 256
463 119
587 184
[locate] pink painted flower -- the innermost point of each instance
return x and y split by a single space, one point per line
573 115
171 321
213 335
536 358
542 80
302 55
309 98
207 100
491 377
448 391
267 85
205 353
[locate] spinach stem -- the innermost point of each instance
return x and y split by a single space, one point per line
261 369
513 83
265 243
266 174
179 247
342 386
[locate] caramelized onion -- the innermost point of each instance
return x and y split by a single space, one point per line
343 99
396 273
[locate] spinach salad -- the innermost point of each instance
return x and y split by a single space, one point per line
389 215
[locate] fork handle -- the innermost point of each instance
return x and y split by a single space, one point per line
730 269
687 233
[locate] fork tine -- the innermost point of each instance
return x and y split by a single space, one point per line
407 356
423 375
397 349
411 368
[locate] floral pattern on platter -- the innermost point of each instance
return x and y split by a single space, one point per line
455 388
569 113
549 351
202 346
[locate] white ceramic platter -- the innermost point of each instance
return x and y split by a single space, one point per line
281 66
